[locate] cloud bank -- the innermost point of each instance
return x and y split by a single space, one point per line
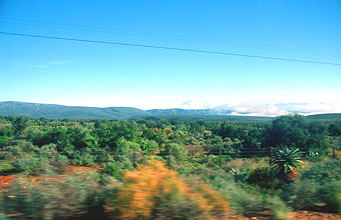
258 109
272 110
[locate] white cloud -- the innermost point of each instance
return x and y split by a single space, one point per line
224 106
206 106
261 109
258 109
316 108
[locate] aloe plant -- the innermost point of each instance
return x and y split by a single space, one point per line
285 160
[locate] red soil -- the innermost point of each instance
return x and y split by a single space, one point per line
7 180
303 215
316 216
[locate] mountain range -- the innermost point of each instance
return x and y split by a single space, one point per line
53 111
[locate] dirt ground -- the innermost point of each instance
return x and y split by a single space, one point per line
316 216
303 215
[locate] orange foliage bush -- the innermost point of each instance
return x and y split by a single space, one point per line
155 192
5 181
292 174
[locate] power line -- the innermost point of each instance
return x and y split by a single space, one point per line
171 48
76 27
134 32
100 30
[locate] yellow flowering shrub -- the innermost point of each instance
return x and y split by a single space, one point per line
155 192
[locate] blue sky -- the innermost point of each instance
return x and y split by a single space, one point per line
89 74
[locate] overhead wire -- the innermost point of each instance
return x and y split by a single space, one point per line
77 27
170 48
109 31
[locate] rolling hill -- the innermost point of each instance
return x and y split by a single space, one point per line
53 111
326 117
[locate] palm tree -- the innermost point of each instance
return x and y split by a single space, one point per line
284 162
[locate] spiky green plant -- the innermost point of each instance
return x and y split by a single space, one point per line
285 160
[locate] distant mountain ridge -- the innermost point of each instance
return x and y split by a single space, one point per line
53 111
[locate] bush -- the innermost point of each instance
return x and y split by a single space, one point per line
279 210
45 160
325 171
318 188
21 155
314 196
50 161
155 192
86 159
27 164
3 216
264 178
16 148
129 150
243 201
6 167
114 168
52 198
176 151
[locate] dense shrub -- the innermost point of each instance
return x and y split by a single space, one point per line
278 209
176 151
243 198
51 198
264 178
3 216
24 157
155 192
318 188
242 201
17 148
50 161
5 133
314 196
116 168
28 164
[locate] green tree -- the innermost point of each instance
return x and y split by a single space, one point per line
297 130
4 134
20 123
